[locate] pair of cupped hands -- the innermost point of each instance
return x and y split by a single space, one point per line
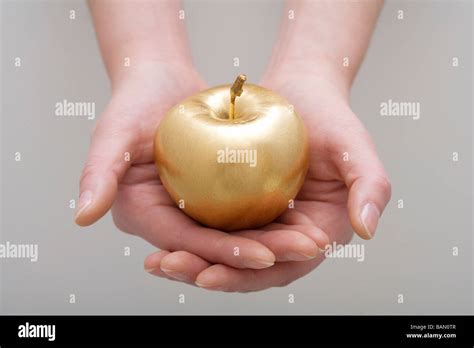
346 185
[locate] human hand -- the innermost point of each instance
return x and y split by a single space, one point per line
121 157
346 184
120 170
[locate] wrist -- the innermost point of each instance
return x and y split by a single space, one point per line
150 70
322 71
150 82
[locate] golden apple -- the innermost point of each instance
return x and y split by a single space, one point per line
232 163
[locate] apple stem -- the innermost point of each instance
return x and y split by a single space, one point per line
235 91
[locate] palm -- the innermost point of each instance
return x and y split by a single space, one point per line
140 192
144 207
322 200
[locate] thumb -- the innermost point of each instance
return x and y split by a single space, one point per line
368 184
111 146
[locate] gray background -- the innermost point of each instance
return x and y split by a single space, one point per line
408 60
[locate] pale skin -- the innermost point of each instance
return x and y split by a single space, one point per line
346 187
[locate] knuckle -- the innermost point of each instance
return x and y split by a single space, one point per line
90 168
221 242
384 184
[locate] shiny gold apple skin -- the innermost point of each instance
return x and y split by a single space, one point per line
232 196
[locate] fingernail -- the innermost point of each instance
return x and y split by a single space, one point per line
174 274
149 270
209 286
258 264
85 201
202 285
299 256
209 281
260 258
370 217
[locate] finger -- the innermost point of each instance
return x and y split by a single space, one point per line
168 228
108 159
224 278
183 266
286 244
153 265
314 233
153 262
368 184
302 223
